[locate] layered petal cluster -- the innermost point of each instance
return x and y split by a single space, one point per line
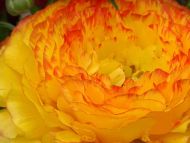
81 71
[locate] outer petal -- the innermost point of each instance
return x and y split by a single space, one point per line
9 80
21 64
7 128
170 118
25 115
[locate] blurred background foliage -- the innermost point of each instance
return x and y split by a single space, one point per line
11 11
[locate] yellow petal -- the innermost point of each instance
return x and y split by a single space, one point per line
25 115
94 65
31 65
8 80
22 64
86 133
89 114
182 128
24 140
67 137
48 138
65 118
176 138
53 120
7 127
151 100
17 53
95 93
53 89
117 77
127 133
169 118
113 69
4 140
148 104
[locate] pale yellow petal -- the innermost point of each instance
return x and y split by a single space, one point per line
117 77
7 127
21 58
17 53
8 80
25 115
114 70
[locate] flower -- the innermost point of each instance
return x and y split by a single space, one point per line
82 71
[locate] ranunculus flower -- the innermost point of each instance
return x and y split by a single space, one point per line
81 71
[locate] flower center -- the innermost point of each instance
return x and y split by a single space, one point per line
120 61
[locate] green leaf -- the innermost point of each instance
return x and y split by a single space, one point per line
50 1
6 25
5 29
188 4
17 7
114 4
34 9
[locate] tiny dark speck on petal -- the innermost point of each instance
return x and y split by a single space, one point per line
137 141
